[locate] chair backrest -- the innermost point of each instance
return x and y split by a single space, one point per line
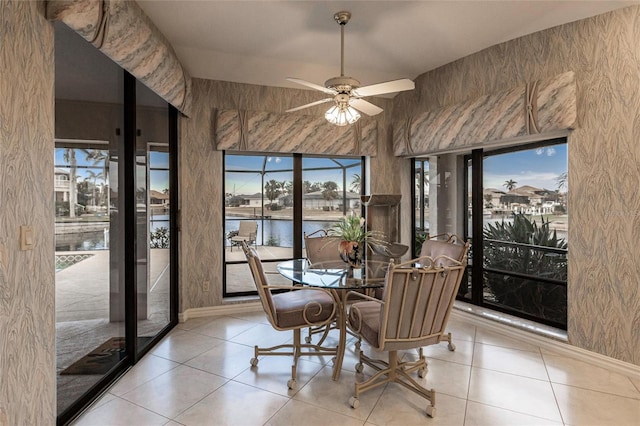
260 280
417 303
448 245
248 228
323 248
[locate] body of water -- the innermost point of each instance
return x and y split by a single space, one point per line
99 240
278 232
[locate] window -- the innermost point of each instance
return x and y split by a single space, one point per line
260 191
421 203
517 220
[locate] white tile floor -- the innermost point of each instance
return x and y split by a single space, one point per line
200 375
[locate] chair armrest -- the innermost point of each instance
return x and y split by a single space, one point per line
296 288
363 296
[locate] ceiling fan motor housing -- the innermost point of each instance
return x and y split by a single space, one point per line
342 84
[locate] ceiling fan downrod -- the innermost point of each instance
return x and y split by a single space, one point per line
342 18
342 84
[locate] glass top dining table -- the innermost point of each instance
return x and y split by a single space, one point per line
340 279
334 275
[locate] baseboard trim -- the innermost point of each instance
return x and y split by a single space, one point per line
553 345
210 311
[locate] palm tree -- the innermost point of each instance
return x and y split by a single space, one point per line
287 187
100 157
272 190
93 177
509 184
330 190
356 183
562 181
70 158
307 186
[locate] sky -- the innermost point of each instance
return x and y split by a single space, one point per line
538 167
281 169
159 179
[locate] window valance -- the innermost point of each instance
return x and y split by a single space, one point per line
539 107
255 131
122 31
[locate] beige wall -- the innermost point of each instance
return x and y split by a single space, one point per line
27 332
604 159
201 175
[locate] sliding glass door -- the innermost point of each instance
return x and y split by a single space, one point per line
153 215
114 222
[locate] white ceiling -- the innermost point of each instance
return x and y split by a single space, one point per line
263 42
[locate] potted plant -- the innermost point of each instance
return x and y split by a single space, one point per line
354 238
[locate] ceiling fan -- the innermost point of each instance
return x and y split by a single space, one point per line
346 92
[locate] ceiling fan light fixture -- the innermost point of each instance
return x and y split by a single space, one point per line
346 91
341 115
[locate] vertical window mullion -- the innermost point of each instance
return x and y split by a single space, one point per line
477 226
174 224
130 246
297 205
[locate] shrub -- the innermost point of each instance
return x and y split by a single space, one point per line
528 295
273 241
421 236
160 238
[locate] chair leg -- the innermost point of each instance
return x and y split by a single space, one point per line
450 345
291 384
394 371
296 350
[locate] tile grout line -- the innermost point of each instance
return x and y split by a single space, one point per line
473 352
553 391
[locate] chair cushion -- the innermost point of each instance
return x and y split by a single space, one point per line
364 318
303 307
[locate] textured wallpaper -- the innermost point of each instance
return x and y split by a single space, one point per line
27 332
201 175
604 159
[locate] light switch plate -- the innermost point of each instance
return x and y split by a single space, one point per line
26 237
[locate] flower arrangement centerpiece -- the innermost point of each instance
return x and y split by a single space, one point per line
355 238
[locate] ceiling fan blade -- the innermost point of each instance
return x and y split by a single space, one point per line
322 101
312 85
365 107
386 87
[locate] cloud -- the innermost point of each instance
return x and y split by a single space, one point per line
539 151
545 180
551 152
